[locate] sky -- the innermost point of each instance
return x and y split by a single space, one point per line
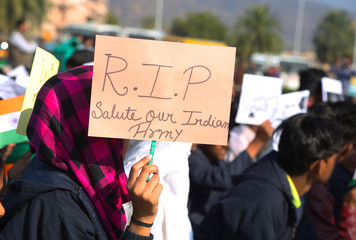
342 4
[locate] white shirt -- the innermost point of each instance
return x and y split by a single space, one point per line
171 222
19 41
240 137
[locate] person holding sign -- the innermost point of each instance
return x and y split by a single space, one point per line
264 200
75 186
210 177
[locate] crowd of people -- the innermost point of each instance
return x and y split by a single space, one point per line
67 185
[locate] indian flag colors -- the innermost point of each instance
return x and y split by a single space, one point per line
10 110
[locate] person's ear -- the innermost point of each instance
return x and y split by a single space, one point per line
317 168
345 150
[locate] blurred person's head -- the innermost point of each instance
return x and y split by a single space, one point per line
22 25
309 145
343 113
79 58
213 152
322 109
310 79
347 61
272 71
88 41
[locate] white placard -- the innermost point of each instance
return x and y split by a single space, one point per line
20 75
259 99
3 78
290 104
331 90
10 89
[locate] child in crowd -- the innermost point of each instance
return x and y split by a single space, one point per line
264 200
210 176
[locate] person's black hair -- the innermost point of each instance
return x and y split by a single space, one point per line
322 109
306 138
80 57
344 113
310 79
20 22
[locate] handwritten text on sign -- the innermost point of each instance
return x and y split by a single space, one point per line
44 66
164 91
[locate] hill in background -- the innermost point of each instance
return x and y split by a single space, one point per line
130 13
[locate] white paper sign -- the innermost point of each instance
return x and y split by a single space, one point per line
331 90
3 78
20 75
259 98
10 89
290 104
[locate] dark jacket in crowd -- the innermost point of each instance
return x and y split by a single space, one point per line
47 204
324 209
259 206
338 183
208 182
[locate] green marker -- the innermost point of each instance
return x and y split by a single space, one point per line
152 152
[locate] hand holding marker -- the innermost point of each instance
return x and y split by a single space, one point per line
152 152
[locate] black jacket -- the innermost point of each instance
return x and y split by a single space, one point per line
47 204
209 182
258 206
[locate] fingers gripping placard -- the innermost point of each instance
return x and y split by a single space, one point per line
164 91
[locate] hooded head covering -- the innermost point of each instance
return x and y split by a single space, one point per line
58 133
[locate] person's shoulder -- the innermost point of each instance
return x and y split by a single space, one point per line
196 154
76 79
256 192
14 34
254 205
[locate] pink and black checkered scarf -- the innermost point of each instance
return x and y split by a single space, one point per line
58 133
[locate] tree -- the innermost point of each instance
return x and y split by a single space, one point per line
334 37
148 22
257 31
203 25
13 10
110 18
